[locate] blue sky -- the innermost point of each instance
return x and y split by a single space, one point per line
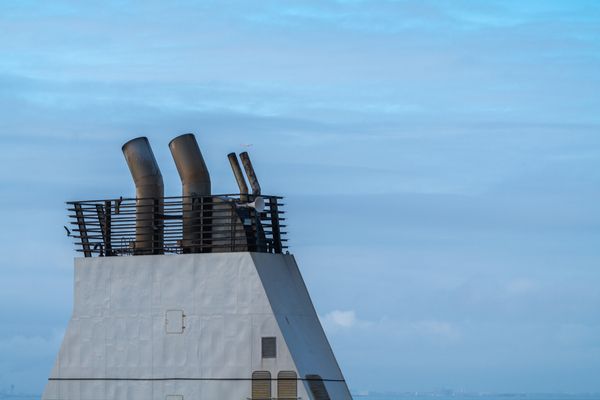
440 161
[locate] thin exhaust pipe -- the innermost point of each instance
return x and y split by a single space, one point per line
239 177
149 193
195 181
250 173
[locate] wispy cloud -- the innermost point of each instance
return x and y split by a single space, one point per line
338 321
444 152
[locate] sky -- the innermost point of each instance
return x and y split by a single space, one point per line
440 162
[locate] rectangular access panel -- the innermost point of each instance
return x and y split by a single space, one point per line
174 321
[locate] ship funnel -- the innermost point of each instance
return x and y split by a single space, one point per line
239 176
149 193
250 173
195 180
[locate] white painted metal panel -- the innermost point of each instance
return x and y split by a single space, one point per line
117 346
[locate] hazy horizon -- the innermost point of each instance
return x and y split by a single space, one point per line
440 162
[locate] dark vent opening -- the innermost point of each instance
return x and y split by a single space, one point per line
269 347
317 387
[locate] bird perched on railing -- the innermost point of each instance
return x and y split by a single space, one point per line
118 205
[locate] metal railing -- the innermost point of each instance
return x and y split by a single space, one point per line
207 224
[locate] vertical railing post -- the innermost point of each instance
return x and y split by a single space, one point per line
108 228
232 221
85 243
104 219
102 222
157 228
199 206
208 223
275 224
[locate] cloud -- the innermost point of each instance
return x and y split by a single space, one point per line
339 319
435 329
521 286
31 346
439 161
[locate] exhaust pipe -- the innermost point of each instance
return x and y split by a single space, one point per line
239 177
255 208
190 165
149 192
250 173
195 180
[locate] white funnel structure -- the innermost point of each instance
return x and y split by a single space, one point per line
193 326
220 323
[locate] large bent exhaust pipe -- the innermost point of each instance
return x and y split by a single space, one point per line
190 165
195 180
149 191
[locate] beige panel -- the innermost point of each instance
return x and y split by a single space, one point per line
287 385
261 385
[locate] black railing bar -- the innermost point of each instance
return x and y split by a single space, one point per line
269 234
131 232
168 228
132 209
127 252
127 199
127 209
169 237
133 220
216 222
147 209
226 243
207 222
239 240
176 248
168 212
99 253
264 225
170 232
130 245
165 204
171 241
131 216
